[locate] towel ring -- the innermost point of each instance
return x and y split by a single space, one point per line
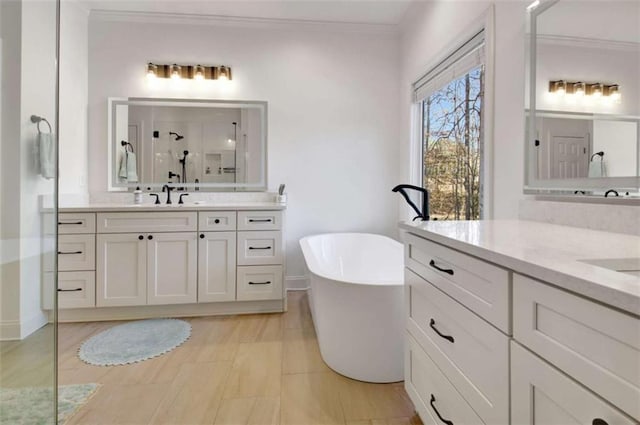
127 146
37 120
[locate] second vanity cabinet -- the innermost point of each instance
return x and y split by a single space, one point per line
488 345
175 257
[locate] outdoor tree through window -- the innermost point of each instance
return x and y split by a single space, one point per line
452 142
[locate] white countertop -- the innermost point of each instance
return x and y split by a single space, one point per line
547 252
204 206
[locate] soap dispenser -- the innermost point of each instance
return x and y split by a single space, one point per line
137 196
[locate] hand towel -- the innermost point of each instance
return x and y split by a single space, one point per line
128 169
132 170
47 148
597 169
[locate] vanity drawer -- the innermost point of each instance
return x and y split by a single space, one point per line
482 287
141 222
469 351
542 395
596 345
216 221
432 393
74 223
259 220
76 252
76 289
259 283
259 248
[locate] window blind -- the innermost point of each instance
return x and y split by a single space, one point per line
468 56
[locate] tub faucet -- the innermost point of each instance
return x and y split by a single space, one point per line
422 214
168 189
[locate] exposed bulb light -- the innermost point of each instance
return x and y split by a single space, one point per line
558 87
198 72
579 89
224 73
175 72
596 90
614 92
152 71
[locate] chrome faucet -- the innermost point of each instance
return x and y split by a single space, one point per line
168 189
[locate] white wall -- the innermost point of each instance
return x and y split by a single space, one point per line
430 30
333 110
74 86
29 86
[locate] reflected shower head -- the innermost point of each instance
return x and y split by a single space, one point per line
178 137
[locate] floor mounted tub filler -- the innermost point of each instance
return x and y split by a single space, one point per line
356 300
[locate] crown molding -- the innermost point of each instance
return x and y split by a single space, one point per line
101 15
591 43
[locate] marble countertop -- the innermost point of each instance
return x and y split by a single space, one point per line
198 206
547 252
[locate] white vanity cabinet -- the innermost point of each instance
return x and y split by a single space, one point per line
155 265
483 338
135 262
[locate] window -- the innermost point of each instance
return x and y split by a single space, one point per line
451 101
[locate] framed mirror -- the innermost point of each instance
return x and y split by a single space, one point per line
583 97
215 145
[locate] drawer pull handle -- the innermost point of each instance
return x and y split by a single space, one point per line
69 253
433 406
432 323
266 220
598 421
259 247
433 264
74 223
260 283
69 290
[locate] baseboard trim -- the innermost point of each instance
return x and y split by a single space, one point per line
10 330
32 324
296 283
98 314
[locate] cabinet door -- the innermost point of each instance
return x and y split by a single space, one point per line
171 268
217 266
121 270
542 395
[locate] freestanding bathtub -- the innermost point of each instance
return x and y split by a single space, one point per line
356 300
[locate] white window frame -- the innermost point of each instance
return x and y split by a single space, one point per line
484 23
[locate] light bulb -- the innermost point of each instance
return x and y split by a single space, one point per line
224 73
152 71
596 90
198 72
579 89
614 93
175 71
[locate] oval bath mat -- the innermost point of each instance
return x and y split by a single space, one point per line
134 342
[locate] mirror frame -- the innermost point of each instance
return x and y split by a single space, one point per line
114 102
533 185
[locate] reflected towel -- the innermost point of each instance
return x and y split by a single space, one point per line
597 169
128 168
47 149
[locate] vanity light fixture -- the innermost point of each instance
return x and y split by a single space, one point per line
586 91
191 72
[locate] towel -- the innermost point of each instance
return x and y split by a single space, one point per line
598 169
47 148
128 168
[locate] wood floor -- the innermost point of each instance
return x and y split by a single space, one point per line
236 370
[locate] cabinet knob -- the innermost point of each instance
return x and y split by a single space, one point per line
150 237
217 221
598 421
201 235
141 237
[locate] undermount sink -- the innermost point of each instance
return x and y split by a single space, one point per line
622 265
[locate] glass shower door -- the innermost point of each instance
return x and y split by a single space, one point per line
28 216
